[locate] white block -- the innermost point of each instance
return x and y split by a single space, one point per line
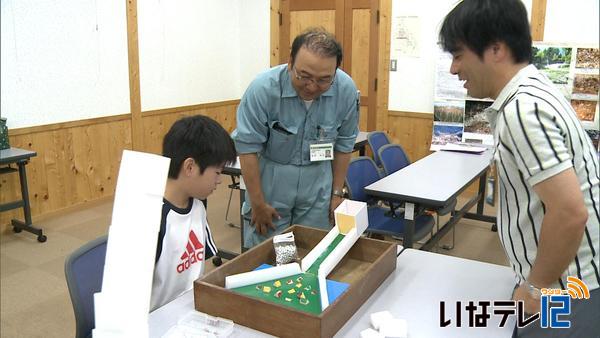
370 333
378 318
394 328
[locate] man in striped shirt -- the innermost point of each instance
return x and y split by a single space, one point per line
549 215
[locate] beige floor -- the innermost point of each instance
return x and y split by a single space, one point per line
34 296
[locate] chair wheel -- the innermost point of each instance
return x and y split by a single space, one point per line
17 230
217 261
42 238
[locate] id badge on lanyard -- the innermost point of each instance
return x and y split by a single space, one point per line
321 150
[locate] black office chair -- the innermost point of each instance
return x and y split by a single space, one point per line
362 171
84 270
393 158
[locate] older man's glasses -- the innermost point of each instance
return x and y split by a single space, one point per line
322 82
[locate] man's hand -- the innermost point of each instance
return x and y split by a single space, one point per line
531 305
333 204
262 217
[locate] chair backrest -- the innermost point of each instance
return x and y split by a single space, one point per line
362 171
377 139
84 269
393 158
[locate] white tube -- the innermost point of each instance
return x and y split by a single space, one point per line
314 254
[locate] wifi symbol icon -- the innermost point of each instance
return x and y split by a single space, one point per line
577 289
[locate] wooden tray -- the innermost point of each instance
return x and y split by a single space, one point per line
365 267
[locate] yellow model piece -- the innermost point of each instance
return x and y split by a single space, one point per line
290 291
266 289
277 284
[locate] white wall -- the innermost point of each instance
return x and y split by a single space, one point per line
254 39
412 85
62 60
66 61
195 52
572 21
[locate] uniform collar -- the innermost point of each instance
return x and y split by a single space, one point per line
288 90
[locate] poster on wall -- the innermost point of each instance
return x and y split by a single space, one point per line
405 37
457 117
573 69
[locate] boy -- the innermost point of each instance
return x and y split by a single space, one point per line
198 148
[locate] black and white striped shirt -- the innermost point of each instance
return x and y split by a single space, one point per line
537 136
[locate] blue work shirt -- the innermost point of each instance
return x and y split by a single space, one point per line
273 121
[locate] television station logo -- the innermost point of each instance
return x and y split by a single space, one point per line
555 306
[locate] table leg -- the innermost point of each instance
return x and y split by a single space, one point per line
480 204
409 225
18 226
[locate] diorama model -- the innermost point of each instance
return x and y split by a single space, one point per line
304 286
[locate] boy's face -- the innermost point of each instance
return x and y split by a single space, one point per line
202 185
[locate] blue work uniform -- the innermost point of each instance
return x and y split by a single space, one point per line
274 122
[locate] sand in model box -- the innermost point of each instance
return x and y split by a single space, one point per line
300 291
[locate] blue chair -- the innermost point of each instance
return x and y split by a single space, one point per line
84 269
377 139
362 171
393 158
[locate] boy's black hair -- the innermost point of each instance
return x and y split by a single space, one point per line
477 24
319 41
200 138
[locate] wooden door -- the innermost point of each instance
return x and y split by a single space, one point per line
355 25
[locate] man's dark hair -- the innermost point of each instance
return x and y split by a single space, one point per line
477 24
318 41
200 138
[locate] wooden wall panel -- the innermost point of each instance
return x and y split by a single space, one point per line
412 131
73 165
156 124
301 20
78 162
383 70
362 122
360 49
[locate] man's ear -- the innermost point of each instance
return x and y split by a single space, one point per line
500 51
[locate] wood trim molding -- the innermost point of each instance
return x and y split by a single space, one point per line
427 116
133 56
275 15
538 19
66 125
373 66
311 5
284 31
165 111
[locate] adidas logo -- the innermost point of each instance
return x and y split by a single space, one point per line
194 252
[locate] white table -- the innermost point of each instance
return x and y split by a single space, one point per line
413 292
431 183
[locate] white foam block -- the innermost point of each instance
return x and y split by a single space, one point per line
378 318
394 328
370 333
